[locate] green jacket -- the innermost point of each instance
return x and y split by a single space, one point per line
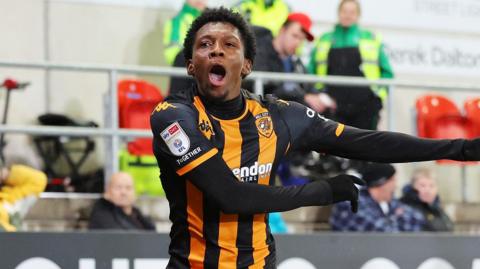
175 30
257 12
375 63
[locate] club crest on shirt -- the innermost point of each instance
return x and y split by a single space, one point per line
264 124
176 139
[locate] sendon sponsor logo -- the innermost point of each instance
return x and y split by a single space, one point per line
253 173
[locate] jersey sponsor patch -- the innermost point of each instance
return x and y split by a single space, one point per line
176 139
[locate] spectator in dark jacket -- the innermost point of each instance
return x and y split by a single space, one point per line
279 55
422 194
378 210
116 210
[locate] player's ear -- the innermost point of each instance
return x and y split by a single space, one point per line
247 67
190 68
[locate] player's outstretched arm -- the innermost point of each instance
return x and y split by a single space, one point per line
397 147
309 130
215 180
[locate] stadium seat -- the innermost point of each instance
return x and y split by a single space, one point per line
432 108
472 112
136 101
439 118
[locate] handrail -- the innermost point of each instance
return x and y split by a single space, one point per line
73 131
264 76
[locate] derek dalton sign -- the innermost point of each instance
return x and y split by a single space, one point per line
430 54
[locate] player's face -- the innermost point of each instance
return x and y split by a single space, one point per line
218 62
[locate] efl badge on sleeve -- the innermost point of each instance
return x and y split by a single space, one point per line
176 139
264 124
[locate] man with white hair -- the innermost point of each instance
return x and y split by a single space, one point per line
116 209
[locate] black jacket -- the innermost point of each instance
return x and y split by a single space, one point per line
435 218
106 215
268 60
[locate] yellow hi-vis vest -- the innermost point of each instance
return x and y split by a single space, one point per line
369 52
175 30
271 17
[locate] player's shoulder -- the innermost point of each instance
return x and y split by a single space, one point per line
267 100
175 105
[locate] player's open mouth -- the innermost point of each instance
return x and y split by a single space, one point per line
216 75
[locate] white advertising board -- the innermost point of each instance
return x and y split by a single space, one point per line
431 54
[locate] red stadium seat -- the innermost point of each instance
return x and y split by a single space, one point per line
431 108
472 112
136 100
439 118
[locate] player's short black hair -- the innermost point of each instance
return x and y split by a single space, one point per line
221 14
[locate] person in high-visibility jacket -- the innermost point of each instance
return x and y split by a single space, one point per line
350 50
175 30
270 14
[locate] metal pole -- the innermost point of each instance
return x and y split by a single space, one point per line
113 143
4 121
46 50
390 117
464 182
258 89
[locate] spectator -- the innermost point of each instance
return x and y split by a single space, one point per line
422 194
116 210
270 14
350 50
174 33
19 187
175 30
278 55
378 210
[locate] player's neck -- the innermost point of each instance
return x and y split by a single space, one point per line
227 110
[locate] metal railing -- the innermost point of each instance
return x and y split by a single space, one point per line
114 133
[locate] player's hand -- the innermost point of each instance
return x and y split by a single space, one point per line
471 150
344 189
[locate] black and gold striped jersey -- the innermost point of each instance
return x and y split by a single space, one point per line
186 135
219 213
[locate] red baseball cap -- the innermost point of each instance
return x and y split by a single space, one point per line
304 21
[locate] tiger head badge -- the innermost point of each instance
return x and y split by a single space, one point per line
264 124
